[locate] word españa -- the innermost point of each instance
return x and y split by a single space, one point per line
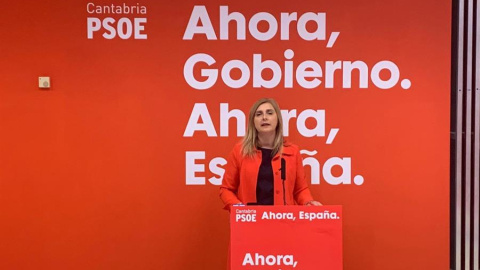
196 170
320 215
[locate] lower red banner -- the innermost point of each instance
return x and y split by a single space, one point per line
286 237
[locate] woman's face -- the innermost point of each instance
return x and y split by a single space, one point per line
265 119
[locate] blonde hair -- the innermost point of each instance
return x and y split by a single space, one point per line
250 141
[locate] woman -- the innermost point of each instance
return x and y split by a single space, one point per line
253 174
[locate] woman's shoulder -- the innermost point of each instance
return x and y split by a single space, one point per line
290 148
238 146
287 143
237 149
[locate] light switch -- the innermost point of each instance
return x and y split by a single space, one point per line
44 82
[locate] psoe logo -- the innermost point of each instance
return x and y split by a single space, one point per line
116 21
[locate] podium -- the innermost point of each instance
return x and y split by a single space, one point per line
286 237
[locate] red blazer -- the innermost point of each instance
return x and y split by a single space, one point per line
239 183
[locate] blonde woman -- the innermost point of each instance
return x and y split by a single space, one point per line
256 166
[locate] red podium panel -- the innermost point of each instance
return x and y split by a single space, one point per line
286 237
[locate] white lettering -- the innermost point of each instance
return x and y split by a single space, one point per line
199 14
200 111
362 68
318 130
394 74
245 71
319 19
125 28
93 25
215 168
309 69
307 73
226 115
107 23
192 168
116 9
286 19
259 66
267 259
272 26
139 28
345 177
211 74
226 18
286 116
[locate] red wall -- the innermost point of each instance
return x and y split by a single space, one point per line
93 170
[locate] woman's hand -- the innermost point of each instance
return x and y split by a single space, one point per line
314 203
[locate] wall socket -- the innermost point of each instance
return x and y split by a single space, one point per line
44 82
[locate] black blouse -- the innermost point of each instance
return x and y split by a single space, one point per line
265 179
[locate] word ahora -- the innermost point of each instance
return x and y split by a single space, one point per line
200 23
201 121
259 259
